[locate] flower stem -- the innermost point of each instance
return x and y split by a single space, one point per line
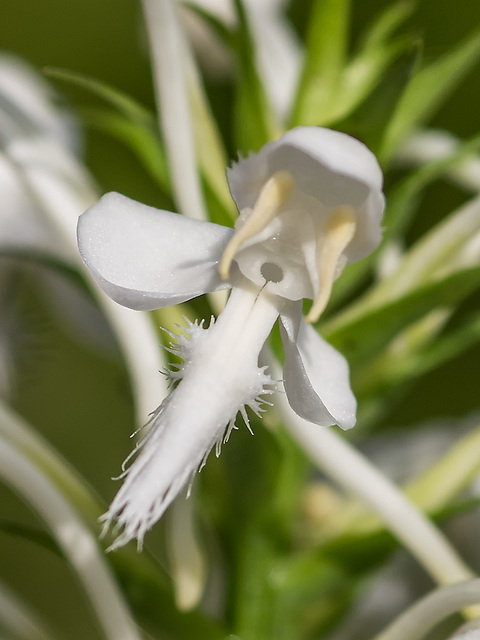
419 619
169 60
74 538
351 470
17 619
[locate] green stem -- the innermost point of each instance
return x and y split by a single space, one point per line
168 48
417 621
351 470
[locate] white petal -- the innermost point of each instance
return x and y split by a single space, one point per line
332 167
145 258
316 375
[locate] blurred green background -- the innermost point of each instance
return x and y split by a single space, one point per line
79 398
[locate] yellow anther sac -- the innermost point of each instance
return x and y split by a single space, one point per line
272 197
331 243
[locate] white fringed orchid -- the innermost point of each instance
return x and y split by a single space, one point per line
309 204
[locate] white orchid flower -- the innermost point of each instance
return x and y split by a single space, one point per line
309 203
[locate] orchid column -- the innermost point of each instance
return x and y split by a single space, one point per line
309 204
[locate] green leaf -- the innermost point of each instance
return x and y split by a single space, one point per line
327 39
387 378
134 125
255 597
211 155
153 605
330 89
117 99
375 92
389 20
275 590
254 120
403 197
137 137
309 607
427 91
401 207
377 74
444 348
362 334
310 595
216 25
31 534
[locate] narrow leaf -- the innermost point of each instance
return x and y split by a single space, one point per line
442 482
254 120
133 124
327 39
389 20
427 91
432 491
363 336
382 381
211 153
401 207
140 139
372 94
31 534
377 73
403 198
121 101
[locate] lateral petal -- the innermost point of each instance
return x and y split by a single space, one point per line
316 376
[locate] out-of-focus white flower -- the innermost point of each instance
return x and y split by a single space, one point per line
32 127
28 104
309 203
34 131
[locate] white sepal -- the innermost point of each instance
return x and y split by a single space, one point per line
146 258
330 169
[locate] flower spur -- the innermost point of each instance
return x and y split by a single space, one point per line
309 204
